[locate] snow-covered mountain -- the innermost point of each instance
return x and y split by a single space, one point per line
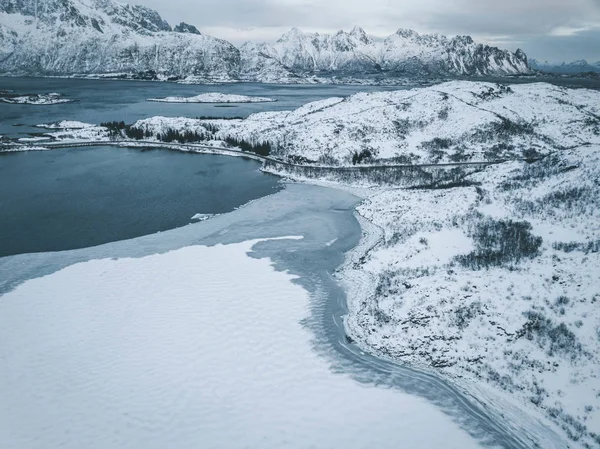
405 52
580 66
65 37
62 37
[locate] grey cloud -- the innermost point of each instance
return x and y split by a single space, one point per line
582 45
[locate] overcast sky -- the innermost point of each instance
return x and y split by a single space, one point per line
553 30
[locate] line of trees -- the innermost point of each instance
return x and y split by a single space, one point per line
120 129
173 135
263 149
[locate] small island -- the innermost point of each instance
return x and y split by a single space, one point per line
35 99
214 98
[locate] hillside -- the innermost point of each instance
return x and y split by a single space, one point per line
450 122
494 283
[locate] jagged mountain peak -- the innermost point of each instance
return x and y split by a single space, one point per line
464 40
521 54
407 33
186 28
360 34
294 33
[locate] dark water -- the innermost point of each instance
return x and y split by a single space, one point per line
100 101
75 198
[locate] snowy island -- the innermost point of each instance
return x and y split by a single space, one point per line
214 98
34 99
481 217
64 125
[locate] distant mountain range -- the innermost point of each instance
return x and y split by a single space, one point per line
581 66
403 53
96 37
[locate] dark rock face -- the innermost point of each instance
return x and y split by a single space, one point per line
186 28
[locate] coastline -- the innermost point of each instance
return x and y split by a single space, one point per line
529 428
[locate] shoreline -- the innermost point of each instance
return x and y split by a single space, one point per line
529 427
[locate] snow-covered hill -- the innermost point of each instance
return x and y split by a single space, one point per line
62 37
459 121
404 53
495 283
65 37
35 99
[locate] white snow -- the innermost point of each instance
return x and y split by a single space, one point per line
214 97
34 99
202 217
198 347
66 124
33 139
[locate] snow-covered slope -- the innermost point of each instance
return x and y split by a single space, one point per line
458 121
495 283
404 53
59 37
